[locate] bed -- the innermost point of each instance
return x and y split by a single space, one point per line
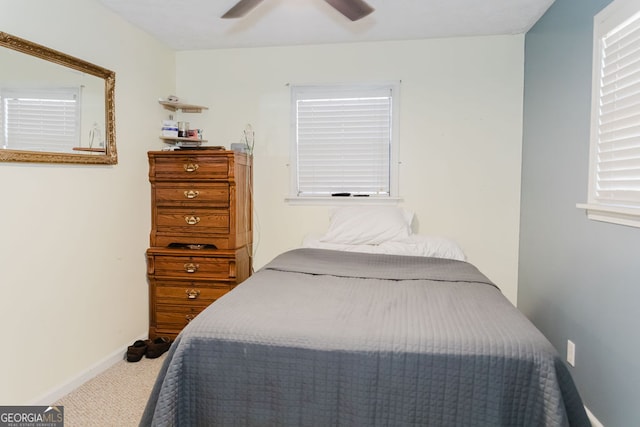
325 337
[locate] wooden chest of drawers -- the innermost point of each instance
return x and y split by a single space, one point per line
201 233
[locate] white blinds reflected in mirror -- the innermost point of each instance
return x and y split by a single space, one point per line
40 119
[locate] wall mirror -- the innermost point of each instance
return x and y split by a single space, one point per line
54 108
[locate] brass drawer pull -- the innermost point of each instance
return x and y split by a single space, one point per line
191 194
192 293
192 220
189 317
191 167
191 267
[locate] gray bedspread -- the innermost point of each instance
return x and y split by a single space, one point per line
325 338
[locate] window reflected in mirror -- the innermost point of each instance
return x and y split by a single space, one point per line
54 107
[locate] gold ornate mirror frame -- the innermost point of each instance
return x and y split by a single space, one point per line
108 156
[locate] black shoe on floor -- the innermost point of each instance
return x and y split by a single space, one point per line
137 350
158 347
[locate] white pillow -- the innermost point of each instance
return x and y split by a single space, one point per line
427 246
368 225
414 245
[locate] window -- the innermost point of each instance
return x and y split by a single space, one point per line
40 119
614 184
344 141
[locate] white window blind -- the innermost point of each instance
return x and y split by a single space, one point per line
614 171
618 160
343 140
41 119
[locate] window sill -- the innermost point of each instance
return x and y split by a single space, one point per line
329 201
615 215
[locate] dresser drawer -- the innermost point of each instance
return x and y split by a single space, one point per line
193 267
185 220
195 194
188 293
174 317
186 168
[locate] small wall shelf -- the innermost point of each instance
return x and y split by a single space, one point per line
178 138
182 141
91 150
185 108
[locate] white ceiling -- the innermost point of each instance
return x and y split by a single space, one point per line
196 24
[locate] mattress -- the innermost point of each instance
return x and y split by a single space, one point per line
327 338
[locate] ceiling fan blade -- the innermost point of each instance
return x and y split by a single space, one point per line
352 9
241 8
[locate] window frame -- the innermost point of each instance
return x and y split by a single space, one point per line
345 88
616 14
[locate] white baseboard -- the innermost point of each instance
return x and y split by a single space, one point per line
593 419
62 390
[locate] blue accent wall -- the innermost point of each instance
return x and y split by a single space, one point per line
578 279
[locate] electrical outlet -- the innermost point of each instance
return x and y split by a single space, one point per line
571 353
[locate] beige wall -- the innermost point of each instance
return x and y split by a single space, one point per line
460 133
73 291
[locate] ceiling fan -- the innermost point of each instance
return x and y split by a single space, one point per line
352 9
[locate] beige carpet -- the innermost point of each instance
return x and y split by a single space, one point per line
116 397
